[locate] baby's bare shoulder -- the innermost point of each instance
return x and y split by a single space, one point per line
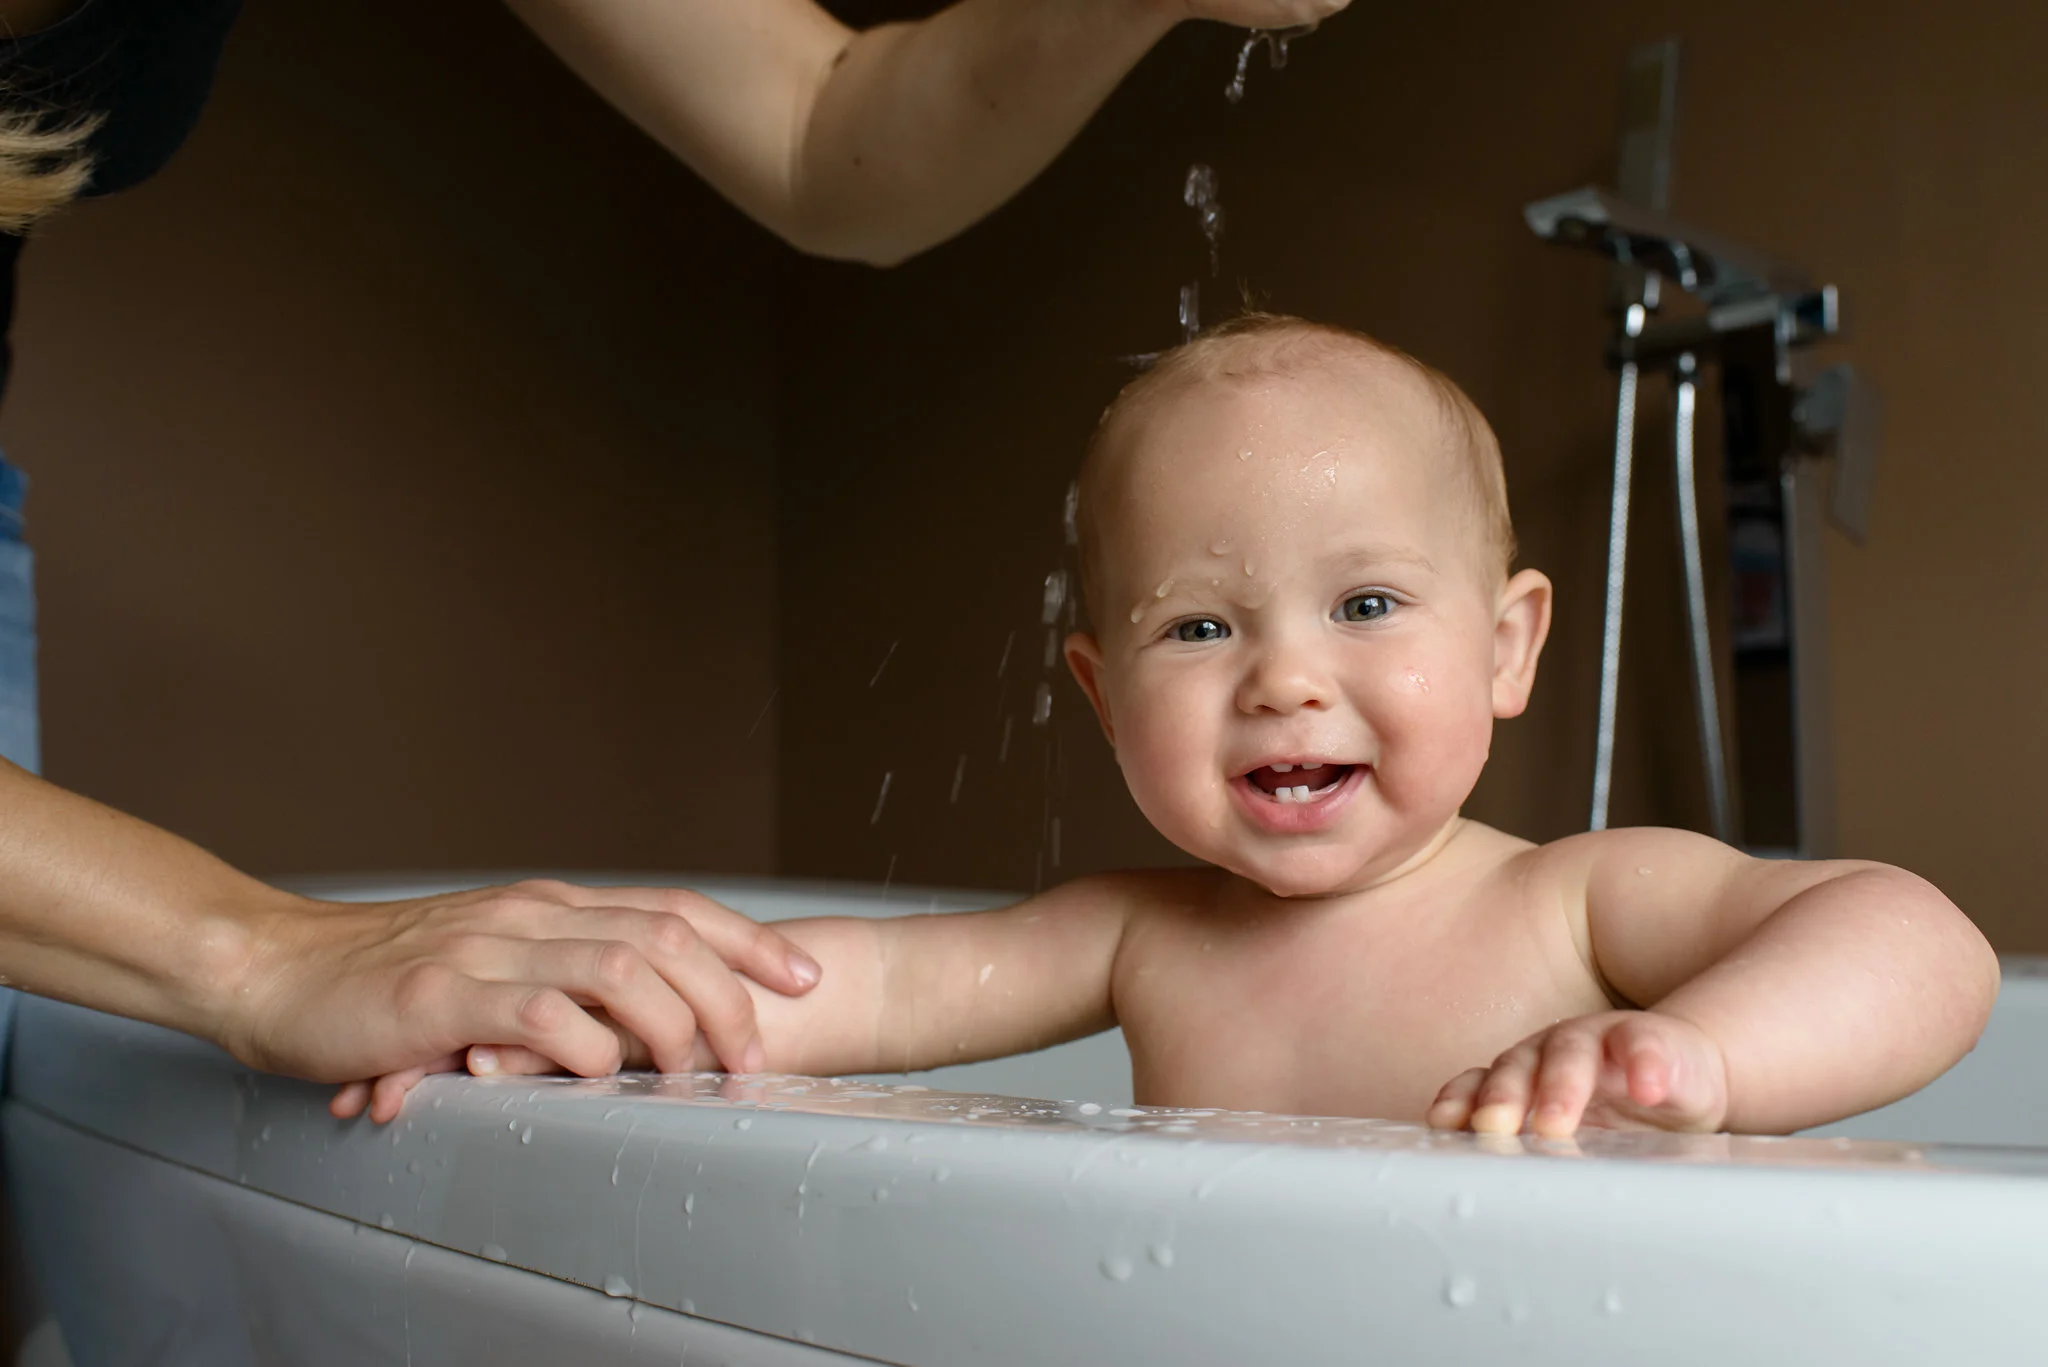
1660 852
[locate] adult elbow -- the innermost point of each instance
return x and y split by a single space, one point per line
879 245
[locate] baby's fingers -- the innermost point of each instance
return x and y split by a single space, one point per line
1503 1100
1453 1105
387 1093
383 1096
349 1100
513 1060
1636 1050
509 1060
1570 1070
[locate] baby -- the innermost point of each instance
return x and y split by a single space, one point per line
1296 557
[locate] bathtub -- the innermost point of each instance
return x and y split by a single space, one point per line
180 1209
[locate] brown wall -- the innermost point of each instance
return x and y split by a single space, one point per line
935 413
403 465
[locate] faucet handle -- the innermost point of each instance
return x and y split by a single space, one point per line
1841 412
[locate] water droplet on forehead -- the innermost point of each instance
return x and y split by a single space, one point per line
1165 587
1221 546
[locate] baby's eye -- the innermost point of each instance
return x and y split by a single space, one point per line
1366 607
1198 629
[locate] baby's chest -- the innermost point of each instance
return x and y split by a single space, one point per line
1338 1022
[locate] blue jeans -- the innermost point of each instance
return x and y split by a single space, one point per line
20 737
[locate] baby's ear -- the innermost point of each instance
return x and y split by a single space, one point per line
1084 657
1520 625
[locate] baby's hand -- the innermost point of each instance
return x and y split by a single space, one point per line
1620 1070
383 1097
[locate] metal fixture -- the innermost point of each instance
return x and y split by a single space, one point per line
1753 314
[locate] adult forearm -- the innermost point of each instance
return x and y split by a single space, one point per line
921 129
110 912
1903 990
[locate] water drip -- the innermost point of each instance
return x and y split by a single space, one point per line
1198 192
1276 41
1055 597
887 655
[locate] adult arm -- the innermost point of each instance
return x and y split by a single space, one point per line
1773 994
110 912
874 145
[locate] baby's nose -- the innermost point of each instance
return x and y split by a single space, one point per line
1286 680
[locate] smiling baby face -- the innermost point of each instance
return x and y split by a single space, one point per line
1295 547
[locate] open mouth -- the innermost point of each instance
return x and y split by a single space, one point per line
1299 783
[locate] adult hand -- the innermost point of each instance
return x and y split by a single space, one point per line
1266 14
342 991
1619 1070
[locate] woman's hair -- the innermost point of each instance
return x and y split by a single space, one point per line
42 167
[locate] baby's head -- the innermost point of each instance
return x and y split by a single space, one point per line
1294 549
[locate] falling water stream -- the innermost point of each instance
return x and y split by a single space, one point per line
1059 604
1276 41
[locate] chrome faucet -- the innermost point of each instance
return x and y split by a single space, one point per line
1754 314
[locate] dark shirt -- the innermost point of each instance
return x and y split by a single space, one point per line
144 66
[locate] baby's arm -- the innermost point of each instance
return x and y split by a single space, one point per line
1776 994
915 992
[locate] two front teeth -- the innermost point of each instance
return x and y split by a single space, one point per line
1300 791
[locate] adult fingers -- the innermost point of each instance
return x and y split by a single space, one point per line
702 974
1567 1073
1503 1099
542 1018
664 1006
1453 1105
763 953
